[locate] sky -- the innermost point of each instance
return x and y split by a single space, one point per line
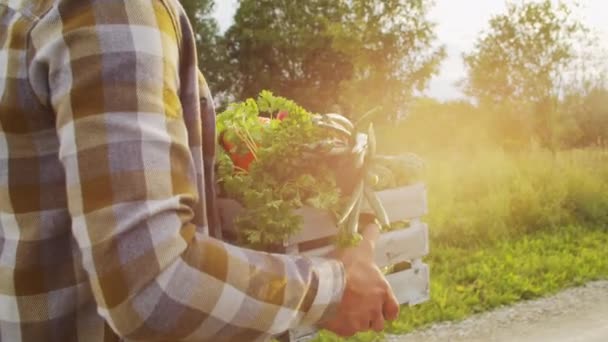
459 23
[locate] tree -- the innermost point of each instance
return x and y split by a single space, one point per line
284 46
586 112
524 54
583 103
329 54
519 65
391 44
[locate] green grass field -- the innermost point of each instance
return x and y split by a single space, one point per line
507 227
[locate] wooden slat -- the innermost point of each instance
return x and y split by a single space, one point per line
411 286
403 204
393 247
318 252
402 245
317 224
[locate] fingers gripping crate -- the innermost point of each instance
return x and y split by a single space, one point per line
405 246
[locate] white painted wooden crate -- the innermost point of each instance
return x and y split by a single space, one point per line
409 245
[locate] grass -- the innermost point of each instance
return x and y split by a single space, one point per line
471 281
507 227
466 281
495 196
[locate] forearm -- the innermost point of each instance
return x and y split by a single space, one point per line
213 291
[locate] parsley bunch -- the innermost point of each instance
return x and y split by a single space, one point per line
287 171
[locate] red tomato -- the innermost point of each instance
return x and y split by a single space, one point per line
241 161
282 115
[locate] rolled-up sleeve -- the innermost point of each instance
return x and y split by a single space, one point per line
131 185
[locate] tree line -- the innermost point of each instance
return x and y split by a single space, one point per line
536 75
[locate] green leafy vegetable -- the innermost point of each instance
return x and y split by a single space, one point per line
287 174
289 160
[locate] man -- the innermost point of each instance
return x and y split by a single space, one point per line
104 190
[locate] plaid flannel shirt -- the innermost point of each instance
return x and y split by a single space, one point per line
106 147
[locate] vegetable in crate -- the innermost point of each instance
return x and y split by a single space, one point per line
279 178
276 157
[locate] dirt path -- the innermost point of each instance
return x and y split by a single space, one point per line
575 315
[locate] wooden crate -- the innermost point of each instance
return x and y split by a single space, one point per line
406 246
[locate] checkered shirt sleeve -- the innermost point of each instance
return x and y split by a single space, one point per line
122 92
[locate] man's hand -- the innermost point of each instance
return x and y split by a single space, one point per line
368 299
